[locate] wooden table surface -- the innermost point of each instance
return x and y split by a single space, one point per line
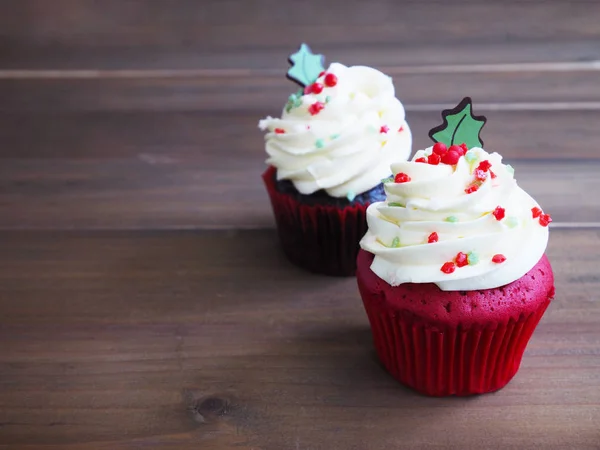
144 300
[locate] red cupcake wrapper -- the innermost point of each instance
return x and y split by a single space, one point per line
320 238
453 361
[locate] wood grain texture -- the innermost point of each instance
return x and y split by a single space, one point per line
270 91
175 340
260 33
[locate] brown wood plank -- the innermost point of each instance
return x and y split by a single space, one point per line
192 340
187 33
270 91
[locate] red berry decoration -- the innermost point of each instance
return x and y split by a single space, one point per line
316 88
384 129
433 237
545 220
464 147
493 175
536 212
401 178
484 165
471 189
499 213
434 159
461 259
448 267
499 258
279 131
421 160
321 74
316 108
480 175
331 80
451 157
440 148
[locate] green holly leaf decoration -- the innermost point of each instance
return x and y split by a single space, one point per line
460 125
306 66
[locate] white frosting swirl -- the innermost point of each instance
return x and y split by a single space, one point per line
435 201
342 148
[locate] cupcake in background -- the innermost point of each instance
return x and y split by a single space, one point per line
328 154
452 270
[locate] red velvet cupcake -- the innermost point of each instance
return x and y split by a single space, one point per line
328 154
452 273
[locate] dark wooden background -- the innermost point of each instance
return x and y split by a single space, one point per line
144 302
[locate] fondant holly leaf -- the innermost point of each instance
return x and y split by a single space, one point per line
306 66
460 125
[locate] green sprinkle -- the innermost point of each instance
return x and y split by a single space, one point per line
300 92
328 99
396 242
470 156
452 219
350 196
292 98
511 221
472 258
396 204
320 143
387 180
334 136
510 169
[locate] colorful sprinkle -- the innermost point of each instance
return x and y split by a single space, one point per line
448 267
433 237
464 148
330 80
511 222
470 156
493 175
499 258
396 204
321 74
471 189
484 165
334 136
545 220
401 129
434 159
396 242
480 175
319 143
421 160
351 196
461 259
387 180
328 99
401 178
316 108
279 131
536 212
473 258
510 169
499 213
439 148
384 129
452 219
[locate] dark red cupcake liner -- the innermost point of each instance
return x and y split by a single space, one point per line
320 238
452 361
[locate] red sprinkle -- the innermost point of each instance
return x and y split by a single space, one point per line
484 165
279 131
471 189
384 129
440 148
464 147
537 212
433 237
493 175
401 178
434 159
498 258
480 175
400 130
451 157
321 74
461 259
316 88
421 160
316 108
331 80
545 220
499 213
448 267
